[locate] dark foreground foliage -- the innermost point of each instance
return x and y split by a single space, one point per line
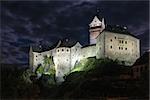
99 80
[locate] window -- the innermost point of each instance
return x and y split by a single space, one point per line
36 59
36 55
67 50
62 49
115 37
111 47
122 41
57 50
125 42
119 41
125 48
111 40
119 48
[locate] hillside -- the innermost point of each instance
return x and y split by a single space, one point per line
90 79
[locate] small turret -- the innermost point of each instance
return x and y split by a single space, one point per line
96 27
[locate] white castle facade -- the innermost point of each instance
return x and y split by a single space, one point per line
103 44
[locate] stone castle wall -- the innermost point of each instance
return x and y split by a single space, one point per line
38 58
62 61
75 54
100 46
89 51
122 47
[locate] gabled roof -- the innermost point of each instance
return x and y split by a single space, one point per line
95 22
66 43
43 47
118 29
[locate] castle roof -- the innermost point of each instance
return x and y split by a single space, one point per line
118 29
88 45
66 43
95 22
41 47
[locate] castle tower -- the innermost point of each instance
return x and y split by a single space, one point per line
96 27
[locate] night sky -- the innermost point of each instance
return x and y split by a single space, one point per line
26 23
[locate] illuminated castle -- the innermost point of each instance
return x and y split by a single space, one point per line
105 42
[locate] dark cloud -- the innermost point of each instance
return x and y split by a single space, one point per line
27 22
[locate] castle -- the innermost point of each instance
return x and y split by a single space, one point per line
105 42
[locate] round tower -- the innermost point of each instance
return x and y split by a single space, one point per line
96 27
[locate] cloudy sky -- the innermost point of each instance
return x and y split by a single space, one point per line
28 22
